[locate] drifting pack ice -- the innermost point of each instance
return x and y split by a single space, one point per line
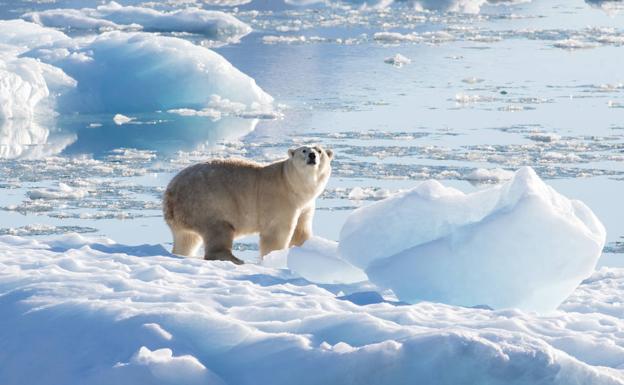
520 244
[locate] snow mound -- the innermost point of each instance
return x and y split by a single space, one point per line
317 261
214 25
80 303
520 244
162 367
121 72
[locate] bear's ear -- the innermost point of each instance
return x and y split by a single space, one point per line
330 154
291 153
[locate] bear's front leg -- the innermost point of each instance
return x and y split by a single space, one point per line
303 229
277 237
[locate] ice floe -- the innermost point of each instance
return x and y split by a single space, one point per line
397 60
215 25
520 244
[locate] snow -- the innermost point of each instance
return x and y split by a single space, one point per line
520 244
316 260
215 25
79 305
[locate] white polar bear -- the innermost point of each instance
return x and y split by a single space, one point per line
221 200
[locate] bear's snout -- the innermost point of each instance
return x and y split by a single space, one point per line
311 158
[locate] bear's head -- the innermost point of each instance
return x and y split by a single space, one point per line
311 166
313 158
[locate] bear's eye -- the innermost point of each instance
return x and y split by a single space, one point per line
304 151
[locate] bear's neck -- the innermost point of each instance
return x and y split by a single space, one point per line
304 185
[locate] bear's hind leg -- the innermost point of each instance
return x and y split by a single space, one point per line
218 240
185 242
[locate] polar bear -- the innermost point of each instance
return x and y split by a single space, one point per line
220 200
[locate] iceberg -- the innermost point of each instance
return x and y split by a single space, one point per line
520 244
26 83
120 72
215 25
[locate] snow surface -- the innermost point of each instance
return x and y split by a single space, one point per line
91 311
317 260
214 25
520 244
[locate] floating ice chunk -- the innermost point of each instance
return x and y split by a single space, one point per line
271 39
465 6
489 175
26 84
463 98
573 44
120 119
219 107
397 37
23 35
316 260
544 137
611 7
215 25
360 193
63 192
472 80
397 60
519 244
119 72
70 18
204 112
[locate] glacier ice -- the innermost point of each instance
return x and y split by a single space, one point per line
520 244
215 25
43 71
121 72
